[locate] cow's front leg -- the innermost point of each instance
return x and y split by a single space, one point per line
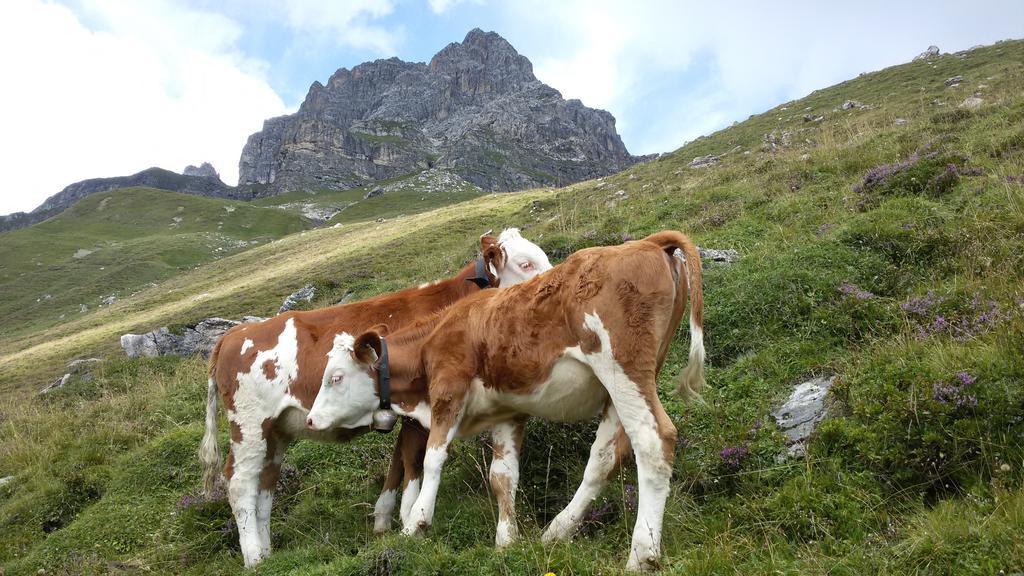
445 417
606 454
384 509
507 442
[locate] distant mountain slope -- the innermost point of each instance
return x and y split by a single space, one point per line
117 242
207 184
475 109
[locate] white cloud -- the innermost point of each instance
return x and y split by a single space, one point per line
442 6
703 64
342 22
146 84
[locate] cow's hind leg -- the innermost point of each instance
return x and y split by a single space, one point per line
276 447
507 441
248 456
610 447
633 392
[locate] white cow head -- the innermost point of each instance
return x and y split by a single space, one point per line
512 259
348 393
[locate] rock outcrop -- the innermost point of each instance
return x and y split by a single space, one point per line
799 416
197 339
476 109
204 170
151 177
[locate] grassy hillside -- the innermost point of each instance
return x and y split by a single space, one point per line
881 245
118 243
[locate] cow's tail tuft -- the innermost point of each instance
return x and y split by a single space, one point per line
209 449
691 379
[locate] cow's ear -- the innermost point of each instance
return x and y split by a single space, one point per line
494 257
367 348
381 330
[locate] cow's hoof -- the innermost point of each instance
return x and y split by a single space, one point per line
643 563
418 530
556 532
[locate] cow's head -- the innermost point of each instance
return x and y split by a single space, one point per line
511 259
348 393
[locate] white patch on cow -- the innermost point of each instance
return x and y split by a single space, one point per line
383 510
421 413
409 495
602 461
347 395
505 468
422 513
264 502
571 393
653 472
256 399
246 345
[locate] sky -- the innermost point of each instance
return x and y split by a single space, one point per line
95 88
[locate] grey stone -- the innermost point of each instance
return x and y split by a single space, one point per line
705 161
799 416
197 339
726 256
80 369
6 480
971 102
854 104
251 319
108 300
476 109
931 52
373 193
954 81
813 118
900 121
304 294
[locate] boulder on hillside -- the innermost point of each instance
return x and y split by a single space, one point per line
304 294
799 416
726 256
197 339
931 52
80 369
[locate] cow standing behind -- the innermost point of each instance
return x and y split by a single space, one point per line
268 373
587 337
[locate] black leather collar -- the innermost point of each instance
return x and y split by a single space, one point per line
384 376
481 279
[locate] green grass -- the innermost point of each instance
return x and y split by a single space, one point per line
895 290
118 243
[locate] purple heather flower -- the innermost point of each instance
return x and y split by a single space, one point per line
734 455
849 289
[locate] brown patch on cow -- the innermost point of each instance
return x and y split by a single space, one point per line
276 445
501 484
623 451
270 369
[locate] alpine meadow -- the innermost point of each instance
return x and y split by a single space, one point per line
878 235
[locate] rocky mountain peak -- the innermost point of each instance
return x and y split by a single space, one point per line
204 170
476 110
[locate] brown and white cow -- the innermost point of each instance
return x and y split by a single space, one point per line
589 336
268 374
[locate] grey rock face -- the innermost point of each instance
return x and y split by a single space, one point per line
799 416
931 52
198 339
304 294
204 170
476 109
954 81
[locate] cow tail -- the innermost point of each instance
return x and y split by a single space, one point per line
691 379
209 449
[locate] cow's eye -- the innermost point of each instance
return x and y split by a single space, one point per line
526 266
336 379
